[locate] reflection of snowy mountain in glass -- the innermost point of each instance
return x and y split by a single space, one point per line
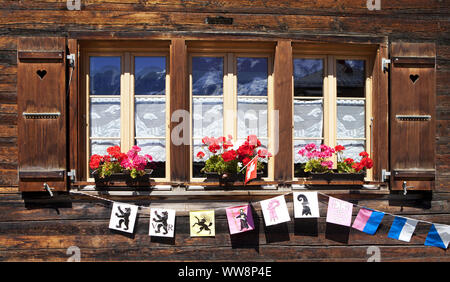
252 76
105 117
350 73
308 77
104 76
350 78
308 118
150 117
350 119
150 81
207 76
207 118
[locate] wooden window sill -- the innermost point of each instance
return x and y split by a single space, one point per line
216 187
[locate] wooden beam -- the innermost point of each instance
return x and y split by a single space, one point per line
283 68
179 100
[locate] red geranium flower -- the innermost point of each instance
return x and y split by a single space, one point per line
95 160
213 148
339 148
349 161
264 153
200 155
246 160
364 154
228 156
227 144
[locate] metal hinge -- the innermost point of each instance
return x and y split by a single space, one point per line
384 63
71 58
72 174
384 175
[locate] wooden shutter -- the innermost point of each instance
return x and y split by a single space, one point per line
41 101
412 115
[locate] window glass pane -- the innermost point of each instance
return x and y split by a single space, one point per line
252 117
207 76
207 117
157 149
352 148
104 75
252 76
154 147
99 146
149 75
350 118
308 118
104 117
150 117
350 75
308 77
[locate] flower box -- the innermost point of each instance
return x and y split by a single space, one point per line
228 177
329 176
123 177
224 164
131 168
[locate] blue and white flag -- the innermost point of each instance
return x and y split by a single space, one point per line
439 236
402 229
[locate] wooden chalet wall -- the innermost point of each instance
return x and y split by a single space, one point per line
34 228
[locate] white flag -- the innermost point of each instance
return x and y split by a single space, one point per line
306 205
275 210
162 222
123 217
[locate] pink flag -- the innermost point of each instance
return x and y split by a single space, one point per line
339 212
240 219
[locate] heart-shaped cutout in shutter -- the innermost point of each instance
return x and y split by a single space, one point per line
41 73
414 77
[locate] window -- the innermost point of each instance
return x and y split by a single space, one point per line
230 95
127 105
331 105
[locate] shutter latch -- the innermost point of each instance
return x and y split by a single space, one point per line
405 187
48 189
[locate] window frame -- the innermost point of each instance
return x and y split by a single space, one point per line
300 48
230 99
127 99
330 99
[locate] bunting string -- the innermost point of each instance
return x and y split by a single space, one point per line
367 219
223 208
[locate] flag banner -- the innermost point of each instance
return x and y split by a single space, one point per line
368 220
339 212
306 205
275 210
123 217
202 223
439 236
250 172
402 228
240 219
162 222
